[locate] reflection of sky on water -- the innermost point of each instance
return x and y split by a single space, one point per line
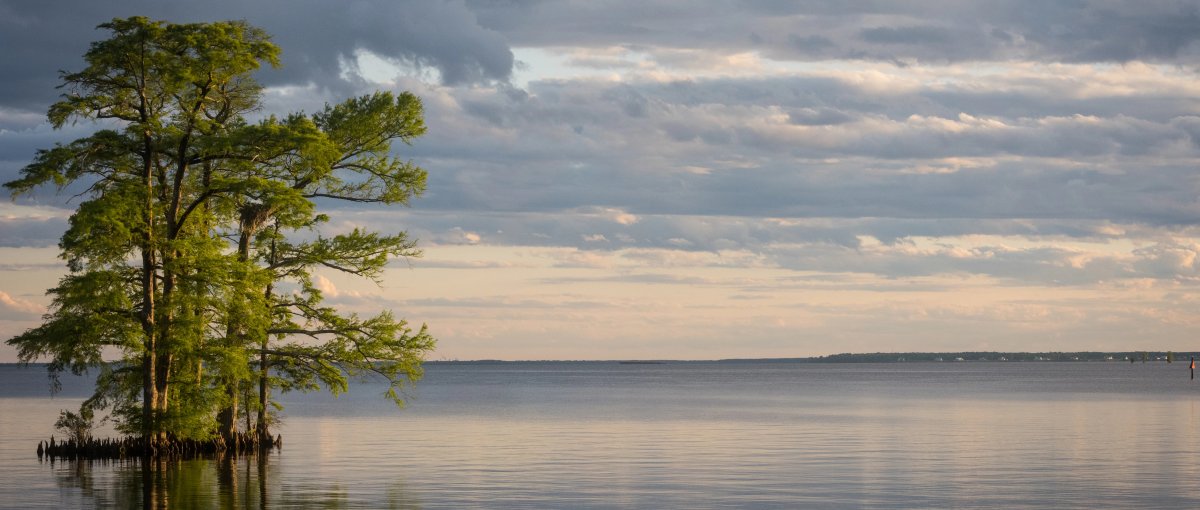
986 435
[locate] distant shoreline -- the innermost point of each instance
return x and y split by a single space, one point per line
874 357
892 357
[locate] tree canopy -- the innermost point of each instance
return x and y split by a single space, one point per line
194 249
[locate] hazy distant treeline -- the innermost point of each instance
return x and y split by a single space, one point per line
899 357
893 357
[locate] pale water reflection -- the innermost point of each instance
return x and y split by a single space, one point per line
987 435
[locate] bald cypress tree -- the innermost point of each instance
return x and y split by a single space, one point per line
181 238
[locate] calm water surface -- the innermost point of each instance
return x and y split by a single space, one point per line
688 435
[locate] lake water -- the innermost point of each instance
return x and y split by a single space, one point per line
678 435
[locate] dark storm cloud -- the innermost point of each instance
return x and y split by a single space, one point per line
1078 31
907 35
41 38
470 42
1119 31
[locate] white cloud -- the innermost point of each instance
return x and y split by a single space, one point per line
17 309
326 287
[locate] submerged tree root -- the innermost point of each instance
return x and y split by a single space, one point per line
130 447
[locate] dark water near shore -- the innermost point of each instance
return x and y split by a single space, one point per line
694 435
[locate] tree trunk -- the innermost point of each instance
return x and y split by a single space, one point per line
161 382
166 338
234 335
264 433
149 288
249 425
227 418
149 394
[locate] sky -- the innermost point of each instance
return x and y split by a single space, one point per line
655 179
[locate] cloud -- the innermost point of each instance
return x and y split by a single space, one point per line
823 144
317 39
836 140
344 295
17 309
907 35
326 287
30 225
1088 31
846 164
467 42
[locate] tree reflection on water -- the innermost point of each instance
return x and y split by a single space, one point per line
227 482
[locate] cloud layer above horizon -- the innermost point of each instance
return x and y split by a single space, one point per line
657 179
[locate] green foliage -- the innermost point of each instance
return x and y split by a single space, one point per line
192 221
363 129
76 426
91 311
119 388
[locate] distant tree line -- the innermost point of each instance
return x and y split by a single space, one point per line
193 251
893 357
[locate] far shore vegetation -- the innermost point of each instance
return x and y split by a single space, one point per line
885 357
901 357
194 250
894 357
